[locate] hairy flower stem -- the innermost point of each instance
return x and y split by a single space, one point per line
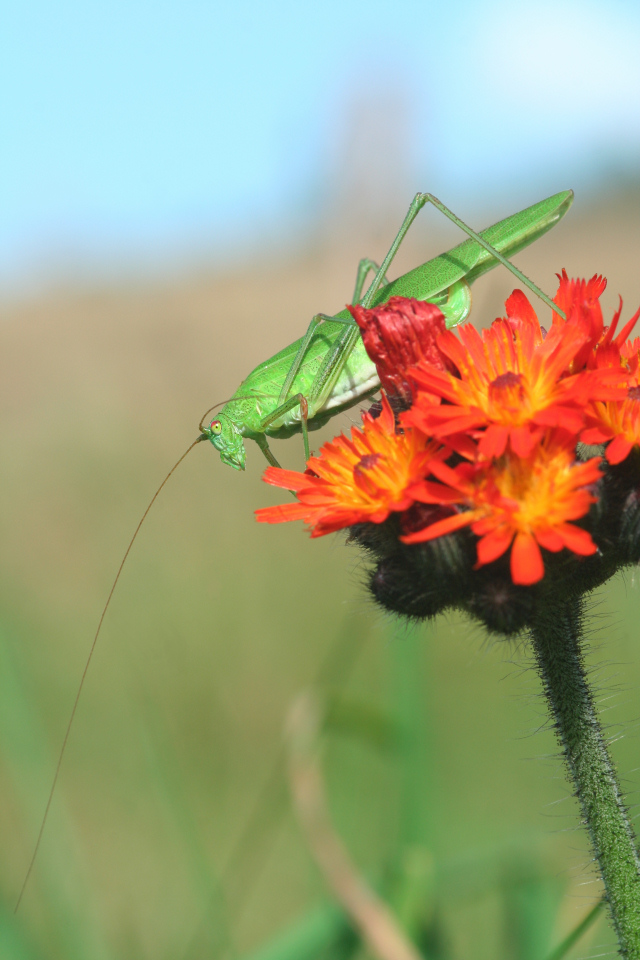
556 635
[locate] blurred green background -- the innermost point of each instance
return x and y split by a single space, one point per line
185 187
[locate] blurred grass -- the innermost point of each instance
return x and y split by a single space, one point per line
218 623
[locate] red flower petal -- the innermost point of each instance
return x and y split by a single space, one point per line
618 450
287 479
524 440
440 528
526 560
493 545
594 435
577 539
282 513
493 441
518 308
550 540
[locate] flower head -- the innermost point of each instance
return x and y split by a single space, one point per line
480 462
618 422
513 381
364 478
581 299
520 502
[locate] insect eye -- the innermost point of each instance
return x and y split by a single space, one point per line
216 427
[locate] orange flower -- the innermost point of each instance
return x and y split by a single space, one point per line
617 421
364 478
581 298
522 503
513 381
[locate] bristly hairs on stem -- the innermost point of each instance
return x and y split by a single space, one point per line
86 670
557 637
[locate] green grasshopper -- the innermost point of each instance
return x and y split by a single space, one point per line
328 371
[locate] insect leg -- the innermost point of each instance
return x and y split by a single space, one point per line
365 267
417 204
306 340
322 384
261 440
302 401
332 367
429 198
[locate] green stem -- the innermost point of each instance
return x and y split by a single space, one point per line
556 635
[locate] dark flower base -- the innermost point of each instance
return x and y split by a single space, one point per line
421 580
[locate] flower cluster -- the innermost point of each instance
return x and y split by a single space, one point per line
471 482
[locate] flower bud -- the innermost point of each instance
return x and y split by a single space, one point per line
399 334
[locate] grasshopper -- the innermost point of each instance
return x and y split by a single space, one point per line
327 371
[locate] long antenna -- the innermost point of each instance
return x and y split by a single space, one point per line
86 670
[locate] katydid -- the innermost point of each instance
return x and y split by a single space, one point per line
328 371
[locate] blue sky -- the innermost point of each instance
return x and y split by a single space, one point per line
134 130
